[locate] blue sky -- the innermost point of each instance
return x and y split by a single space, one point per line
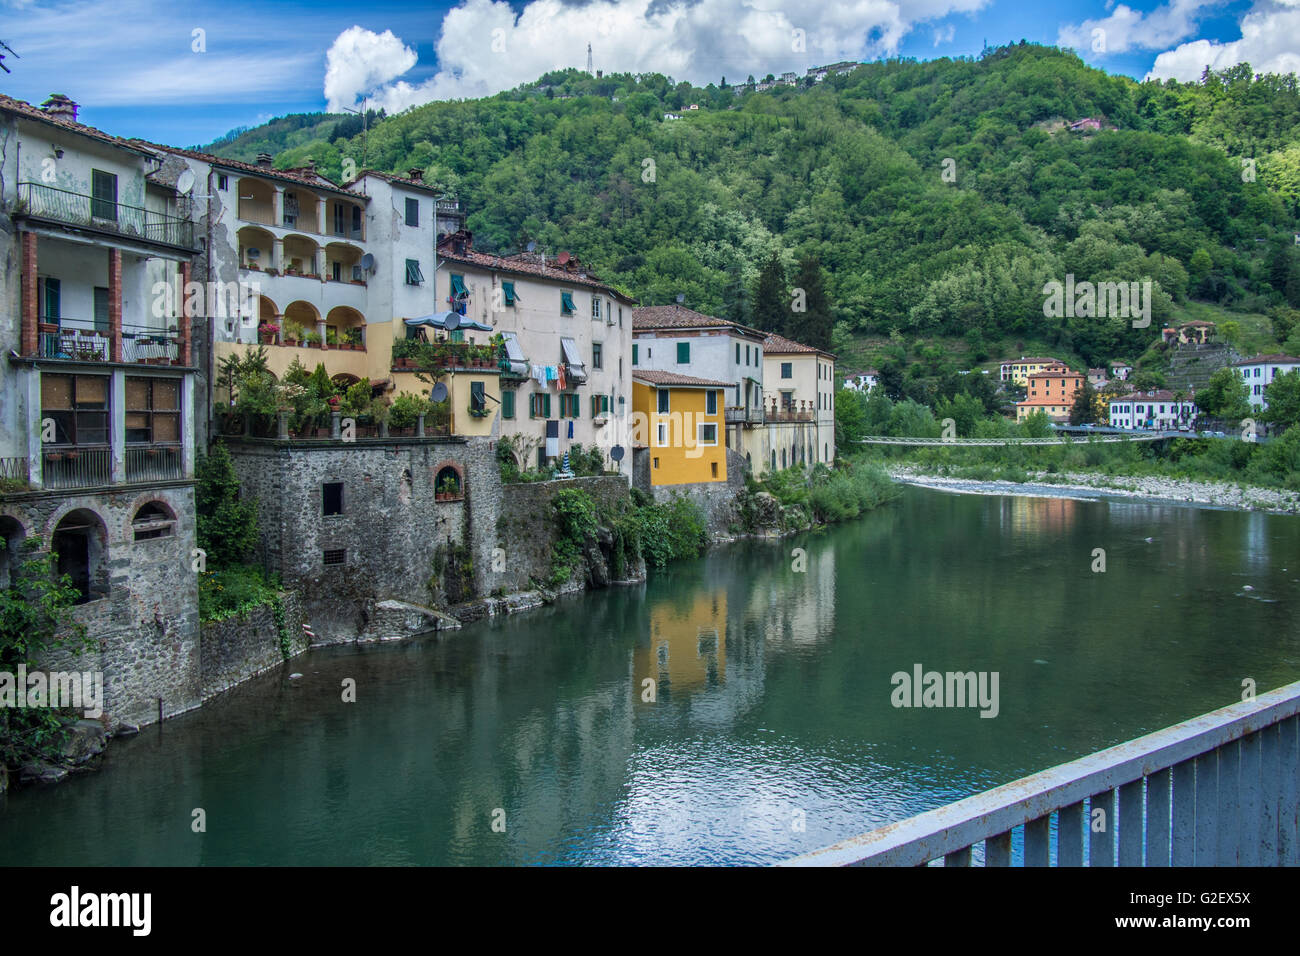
185 76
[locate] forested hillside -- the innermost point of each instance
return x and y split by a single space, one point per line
938 196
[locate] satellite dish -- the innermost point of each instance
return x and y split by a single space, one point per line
368 262
254 253
532 246
616 453
452 322
439 393
562 258
185 181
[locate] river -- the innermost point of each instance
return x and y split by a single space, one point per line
527 739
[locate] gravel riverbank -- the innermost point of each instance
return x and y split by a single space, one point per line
1217 494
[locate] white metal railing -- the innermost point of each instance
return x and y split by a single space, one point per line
1221 789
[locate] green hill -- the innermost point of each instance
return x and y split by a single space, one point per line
939 196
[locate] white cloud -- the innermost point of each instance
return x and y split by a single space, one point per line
944 34
1269 43
362 60
484 47
1126 29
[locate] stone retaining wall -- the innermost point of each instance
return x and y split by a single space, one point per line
237 648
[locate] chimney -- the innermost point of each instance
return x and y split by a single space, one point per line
60 106
416 174
311 166
264 160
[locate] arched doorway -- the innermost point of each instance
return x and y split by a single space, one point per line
80 547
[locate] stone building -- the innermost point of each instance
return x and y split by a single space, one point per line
97 405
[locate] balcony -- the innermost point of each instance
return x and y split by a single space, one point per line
159 462
80 209
77 466
82 342
738 415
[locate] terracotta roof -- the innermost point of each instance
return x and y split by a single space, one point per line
400 180
1275 359
27 110
521 265
672 378
299 175
1054 372
1023 360
679 317
779 345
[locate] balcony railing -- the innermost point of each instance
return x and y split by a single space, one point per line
737 415
77 466
14 469
153 462
1221 789
79 209
59 341
149 346
790 415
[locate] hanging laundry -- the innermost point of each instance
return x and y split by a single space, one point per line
539 373
550 373
561 378
570 428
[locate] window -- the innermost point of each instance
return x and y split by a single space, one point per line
787 401
595 307
222 182
539 405
595 355
787 370
706 434
52 290
340 219
356 222
153 411
332 498
507 404
78 405
152 521
412 212
508 292
738 353
599 405
413 274
566 304
336 271
714 468
663 401
656 462
683 353
477 398
661 433
620 316
633 353
335 556
101 309
569 405
710 403
103 190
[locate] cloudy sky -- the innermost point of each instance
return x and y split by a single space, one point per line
185 74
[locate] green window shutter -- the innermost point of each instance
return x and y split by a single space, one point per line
575 407
412 212
413 274
507 404
477 398
604 403
548 405
103 188
53 308
683 353
737 353
509 289
458 285
566 304
634 353
101 309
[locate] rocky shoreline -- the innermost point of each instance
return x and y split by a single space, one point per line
1214 494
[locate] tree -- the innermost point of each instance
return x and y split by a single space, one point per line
1084 410
850 417
814 326
770 307
226 526
1225 395
1282 396
736 299
890 380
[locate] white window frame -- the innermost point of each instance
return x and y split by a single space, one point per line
699 431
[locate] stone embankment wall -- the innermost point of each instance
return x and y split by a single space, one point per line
717 500
237 648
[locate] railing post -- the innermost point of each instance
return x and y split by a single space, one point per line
1069 836
115 305
1101 847
1157 818
1248 799
1207 807
1229 827
1038 841
1130 824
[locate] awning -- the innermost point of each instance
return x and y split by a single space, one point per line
438 320
518 362
577 371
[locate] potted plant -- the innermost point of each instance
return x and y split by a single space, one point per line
448 489
267 332
273 272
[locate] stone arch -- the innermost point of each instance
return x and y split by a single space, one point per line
256 247
13 534
153 519
80 544
449 480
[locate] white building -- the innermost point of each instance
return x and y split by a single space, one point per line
1260 371
861 381
1154 410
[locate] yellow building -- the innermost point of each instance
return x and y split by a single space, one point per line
678 425
1017 371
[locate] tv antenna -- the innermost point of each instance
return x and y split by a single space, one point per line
10 50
